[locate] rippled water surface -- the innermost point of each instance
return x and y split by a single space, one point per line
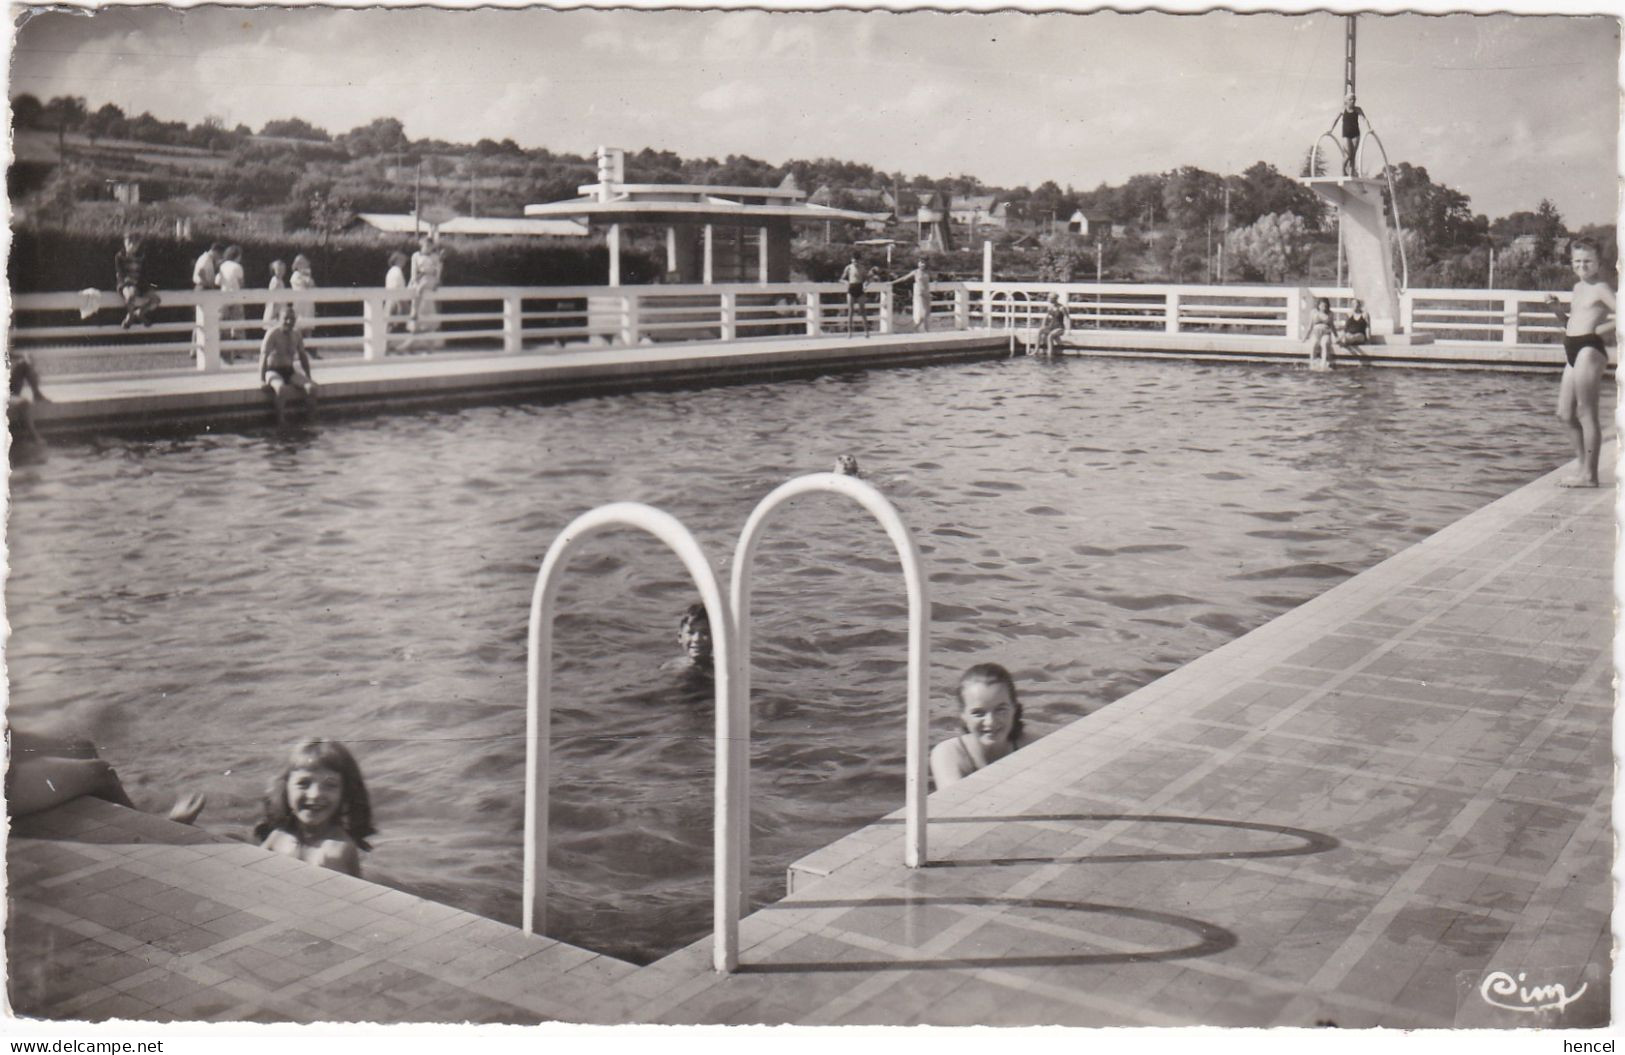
197 604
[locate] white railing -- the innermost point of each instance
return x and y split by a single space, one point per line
730 808
919 640
193 330
1461 316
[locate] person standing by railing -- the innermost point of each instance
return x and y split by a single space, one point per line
303 279
231 278
922 294
279 280
205 275
425 279
400 305
853 277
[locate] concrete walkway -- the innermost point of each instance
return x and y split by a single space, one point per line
1356 814
234 393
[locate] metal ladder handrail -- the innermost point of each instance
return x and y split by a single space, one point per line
730 802
919 641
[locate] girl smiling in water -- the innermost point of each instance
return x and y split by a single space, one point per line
992 717
318 810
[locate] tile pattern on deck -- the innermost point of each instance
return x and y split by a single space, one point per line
1351 814
117 914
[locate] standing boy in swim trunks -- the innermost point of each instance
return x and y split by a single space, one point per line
1587 321
279 351
853 277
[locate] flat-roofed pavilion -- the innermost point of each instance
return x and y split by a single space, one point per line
713 234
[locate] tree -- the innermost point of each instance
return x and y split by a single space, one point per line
295 128
385 135
65 111
27 111
1548 229
108 121
1274 248
1440 216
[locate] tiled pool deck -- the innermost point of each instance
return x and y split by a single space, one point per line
1354 814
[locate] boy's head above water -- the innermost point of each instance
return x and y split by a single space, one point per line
846 465
694 634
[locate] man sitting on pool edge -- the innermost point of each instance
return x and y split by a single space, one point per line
278 352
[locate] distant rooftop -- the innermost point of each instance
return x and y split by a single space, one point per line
490 226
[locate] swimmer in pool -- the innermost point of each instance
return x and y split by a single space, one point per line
991 715
847 465
1587 322
318 809
694 638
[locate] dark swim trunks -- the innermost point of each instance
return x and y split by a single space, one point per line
1573 345
284 372
854 289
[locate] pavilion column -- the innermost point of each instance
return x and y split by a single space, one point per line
671 249
761 255
614 240
710 255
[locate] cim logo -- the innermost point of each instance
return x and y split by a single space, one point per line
1500 989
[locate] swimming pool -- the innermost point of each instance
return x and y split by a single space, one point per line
198 603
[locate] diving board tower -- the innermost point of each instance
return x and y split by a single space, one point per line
1363 216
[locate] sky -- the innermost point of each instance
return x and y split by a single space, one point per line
1507 109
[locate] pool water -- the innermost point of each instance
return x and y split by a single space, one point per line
197 604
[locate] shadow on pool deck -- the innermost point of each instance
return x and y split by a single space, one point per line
1368 811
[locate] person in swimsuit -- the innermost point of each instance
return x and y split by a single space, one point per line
1349 119
991 715
139 298
1322 332
25 392
280 352
1056 323
1356 328
853 277
1587 321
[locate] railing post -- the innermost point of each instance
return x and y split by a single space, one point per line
961 308
1170 321
374 329
815 313
629 319
208 337
1294 316
513 324
888 298
730 322
1509 321
1407 312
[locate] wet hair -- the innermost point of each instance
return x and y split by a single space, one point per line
1585 243
1323 303
991 674
355 808
694 616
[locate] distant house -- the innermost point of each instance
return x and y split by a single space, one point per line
1093 225
978 210
125 192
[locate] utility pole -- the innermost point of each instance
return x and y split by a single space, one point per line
417 204
1225 233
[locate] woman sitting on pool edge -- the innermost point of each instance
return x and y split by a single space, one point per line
991 714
